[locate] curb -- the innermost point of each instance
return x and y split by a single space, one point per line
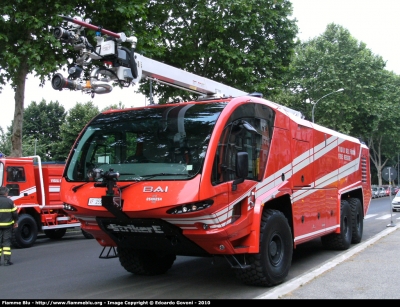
295 283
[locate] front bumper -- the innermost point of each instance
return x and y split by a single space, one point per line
396 206
150 234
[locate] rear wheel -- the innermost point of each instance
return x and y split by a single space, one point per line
271 265
342 240
357 220
55 234
26 233
145 262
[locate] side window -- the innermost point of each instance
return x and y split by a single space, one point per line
246 132
239 136
14 189
15 174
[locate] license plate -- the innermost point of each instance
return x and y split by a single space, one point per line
94 202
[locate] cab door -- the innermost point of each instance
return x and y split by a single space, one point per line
20 179
248 132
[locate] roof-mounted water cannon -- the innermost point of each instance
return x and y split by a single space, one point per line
124 66
71 34
118 63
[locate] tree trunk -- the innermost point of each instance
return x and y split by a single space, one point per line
376 157
16 137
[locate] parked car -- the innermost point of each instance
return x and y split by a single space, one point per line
382 192
375 192
393 190
396 202
387 190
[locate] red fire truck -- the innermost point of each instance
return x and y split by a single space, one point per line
228 175
35 189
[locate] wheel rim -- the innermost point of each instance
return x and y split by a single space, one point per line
275 249
26 232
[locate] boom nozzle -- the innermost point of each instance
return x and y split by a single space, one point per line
118 63
58 82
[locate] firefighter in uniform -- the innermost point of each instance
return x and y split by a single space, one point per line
8 217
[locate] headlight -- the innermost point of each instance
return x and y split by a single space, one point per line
193 207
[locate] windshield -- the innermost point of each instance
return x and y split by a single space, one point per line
167 142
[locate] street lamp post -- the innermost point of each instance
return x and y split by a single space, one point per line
315 103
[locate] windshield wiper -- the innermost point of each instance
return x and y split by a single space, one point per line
162 174
75 188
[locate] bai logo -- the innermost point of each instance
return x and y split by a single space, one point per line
149 189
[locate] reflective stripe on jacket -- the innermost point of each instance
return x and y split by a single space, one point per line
7 224
8 212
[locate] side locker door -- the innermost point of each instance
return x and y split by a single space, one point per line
307 203
302 169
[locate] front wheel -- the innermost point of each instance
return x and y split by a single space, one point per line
271 265
145 262
26 233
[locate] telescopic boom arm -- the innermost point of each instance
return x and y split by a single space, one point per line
124 66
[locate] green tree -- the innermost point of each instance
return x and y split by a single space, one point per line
27 43
383 139
32 146
332 61
246 44
42 124
75 121
336 60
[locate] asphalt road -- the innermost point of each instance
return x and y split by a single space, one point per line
71 269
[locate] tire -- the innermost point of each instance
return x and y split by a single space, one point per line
86 234
145 262
26 233
271 265
55 234
357 220
342 240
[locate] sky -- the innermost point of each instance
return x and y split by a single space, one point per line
376 23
